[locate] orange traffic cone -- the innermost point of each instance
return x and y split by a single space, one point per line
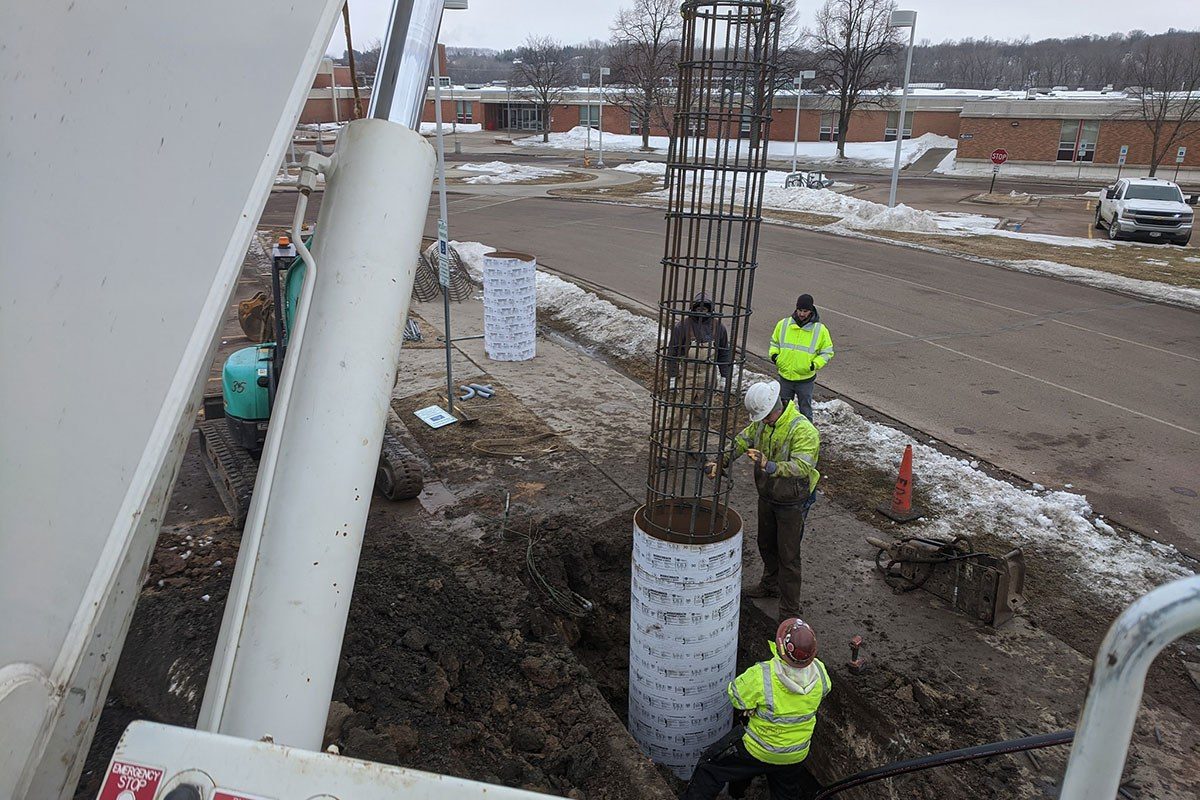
901 508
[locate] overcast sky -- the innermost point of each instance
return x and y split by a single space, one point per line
505 23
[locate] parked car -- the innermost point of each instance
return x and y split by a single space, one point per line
807 180
1145 208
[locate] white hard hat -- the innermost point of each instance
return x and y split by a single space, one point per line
761 399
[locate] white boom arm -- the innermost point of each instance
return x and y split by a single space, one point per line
140 143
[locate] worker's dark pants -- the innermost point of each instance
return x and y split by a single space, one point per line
737 768
800 390
780 532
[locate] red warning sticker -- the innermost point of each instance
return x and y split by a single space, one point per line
130 782
227 794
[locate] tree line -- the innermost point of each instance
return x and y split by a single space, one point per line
857 57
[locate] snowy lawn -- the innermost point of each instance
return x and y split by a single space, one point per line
501 172
859 154
1058 526
428 128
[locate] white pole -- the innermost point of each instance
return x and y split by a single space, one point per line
443 221
600 160
796 136
912 35
587 76
277 654
1118 679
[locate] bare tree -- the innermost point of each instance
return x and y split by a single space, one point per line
644 53
854 47
544 70
1168 72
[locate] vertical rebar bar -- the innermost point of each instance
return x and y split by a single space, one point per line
716 168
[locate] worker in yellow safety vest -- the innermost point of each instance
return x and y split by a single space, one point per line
784 447
780 698
800 346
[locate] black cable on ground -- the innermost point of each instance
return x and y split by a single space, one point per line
942 759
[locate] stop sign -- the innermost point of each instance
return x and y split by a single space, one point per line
999 156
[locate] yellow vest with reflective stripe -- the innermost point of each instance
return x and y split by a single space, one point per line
799 350
781 721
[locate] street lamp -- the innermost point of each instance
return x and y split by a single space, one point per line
810 74
600 161
508 117
587 76
902 19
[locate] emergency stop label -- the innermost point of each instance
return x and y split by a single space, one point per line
130 782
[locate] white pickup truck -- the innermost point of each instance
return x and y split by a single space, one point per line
1145 208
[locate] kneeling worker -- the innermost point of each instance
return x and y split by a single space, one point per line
784 447
781 697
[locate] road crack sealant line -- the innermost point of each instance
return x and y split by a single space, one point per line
1059 524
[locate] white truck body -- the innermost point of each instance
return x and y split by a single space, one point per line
1145 208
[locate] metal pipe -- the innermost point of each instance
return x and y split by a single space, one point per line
1151 623
403 77
277 654
912 35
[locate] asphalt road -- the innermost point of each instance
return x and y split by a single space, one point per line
1057 382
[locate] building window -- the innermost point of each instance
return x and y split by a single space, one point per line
589 116
463 110
829 126
635 125
893 118
746 125
444 80
1077 141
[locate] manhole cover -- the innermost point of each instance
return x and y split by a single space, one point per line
965 431
1183 490
991 391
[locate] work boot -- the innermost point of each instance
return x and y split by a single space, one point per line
761 589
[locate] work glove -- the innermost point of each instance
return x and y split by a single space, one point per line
712 469
758 457
774 356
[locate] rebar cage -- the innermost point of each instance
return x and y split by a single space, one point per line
716 167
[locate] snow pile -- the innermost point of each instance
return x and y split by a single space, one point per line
501 172
644 168
947 163
428 128
1057 524
863 154
1151 290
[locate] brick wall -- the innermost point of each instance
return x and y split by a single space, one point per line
1037 140
943 123
320 109
1028 140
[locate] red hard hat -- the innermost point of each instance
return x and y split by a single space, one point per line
796 642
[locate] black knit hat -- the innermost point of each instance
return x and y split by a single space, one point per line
805 301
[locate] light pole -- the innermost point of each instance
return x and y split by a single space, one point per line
810 74
600 160
902 19
508 117
587 76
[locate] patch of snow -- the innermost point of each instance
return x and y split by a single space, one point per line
1059 241
1151 290
502 172
863 154
1154 262
644 168
1059 524
1192 259
947 163
428 128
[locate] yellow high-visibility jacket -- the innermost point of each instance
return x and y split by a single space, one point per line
799 351
782 718
792 446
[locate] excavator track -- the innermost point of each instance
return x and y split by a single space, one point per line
230 467
399 476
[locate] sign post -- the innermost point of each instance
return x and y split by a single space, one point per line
999 156
1121 159
1179 156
